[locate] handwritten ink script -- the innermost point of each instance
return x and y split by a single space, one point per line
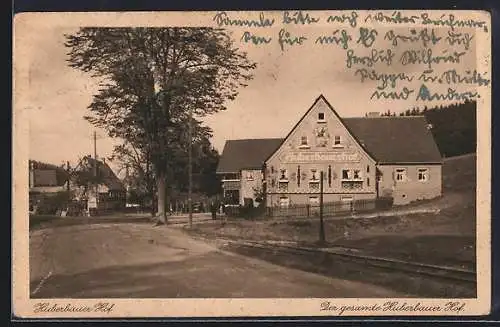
47 307
429 56
388 307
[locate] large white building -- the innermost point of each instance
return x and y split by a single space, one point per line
361 158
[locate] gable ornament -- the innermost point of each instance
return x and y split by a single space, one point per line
322 136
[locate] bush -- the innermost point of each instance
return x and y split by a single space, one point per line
50 203
384 203
251 212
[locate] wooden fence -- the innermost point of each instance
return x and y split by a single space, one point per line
330 209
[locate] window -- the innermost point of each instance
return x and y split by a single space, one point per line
337 141
351 174
329 176
357 174
314 175
368 169
298 176
400 175
314 181
321 116
249 176
345 174
423 175
283 175
283 186
351 179
303 141
367 181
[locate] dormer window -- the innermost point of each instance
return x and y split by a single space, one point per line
321 116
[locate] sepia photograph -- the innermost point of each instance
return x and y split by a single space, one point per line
338 157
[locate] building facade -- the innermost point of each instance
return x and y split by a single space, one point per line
99 186
359 158
240 169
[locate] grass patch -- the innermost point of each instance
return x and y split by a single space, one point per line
444 238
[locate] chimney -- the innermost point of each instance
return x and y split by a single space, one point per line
373 114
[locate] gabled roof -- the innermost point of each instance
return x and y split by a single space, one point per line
396 139
246 154
388 140
322 98
105 174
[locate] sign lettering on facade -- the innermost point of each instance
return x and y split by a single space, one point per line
293 157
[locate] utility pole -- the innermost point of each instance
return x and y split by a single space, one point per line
190 169
321 226
95 154
96 185
69 173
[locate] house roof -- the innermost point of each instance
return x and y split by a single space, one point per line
394 140
106 175
246 154
390 140
110 179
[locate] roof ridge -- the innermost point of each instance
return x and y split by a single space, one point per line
260 138
386 117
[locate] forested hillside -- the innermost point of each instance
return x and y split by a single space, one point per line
453 126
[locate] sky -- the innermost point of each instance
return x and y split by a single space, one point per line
285 85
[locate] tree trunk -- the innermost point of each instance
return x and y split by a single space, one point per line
161 182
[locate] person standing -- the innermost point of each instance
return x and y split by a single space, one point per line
213 209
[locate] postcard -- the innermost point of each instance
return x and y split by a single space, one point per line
251 164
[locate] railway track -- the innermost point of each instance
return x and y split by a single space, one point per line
449 274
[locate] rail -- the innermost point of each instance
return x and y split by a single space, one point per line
413 268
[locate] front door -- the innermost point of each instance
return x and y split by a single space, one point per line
345 202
